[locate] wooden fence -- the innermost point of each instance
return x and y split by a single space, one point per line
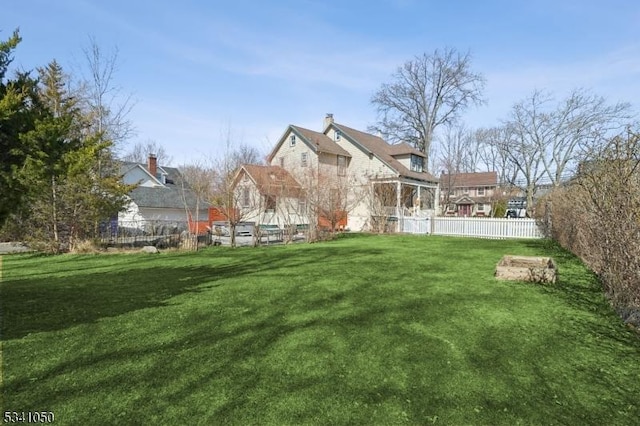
497 228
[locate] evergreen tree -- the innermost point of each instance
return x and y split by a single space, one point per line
17 103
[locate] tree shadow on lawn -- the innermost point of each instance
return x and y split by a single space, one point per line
37 302
244 361
241 365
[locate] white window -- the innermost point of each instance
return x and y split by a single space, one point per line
342 165
292 140
246 197
304 162
480 207
338 135
417 163
302 206
481 191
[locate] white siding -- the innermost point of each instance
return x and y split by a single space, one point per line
405 160
137 176
135 216
131 214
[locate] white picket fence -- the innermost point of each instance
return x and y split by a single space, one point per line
497 228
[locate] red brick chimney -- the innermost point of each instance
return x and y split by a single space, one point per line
153 165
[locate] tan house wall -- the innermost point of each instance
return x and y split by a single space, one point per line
292 155
287 211
474 191
362 168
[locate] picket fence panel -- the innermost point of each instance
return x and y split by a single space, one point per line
497 228
416 225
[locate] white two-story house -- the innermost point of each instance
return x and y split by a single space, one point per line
468 194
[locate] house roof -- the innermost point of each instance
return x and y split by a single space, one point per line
319 142
458 180
465 199
404 148
172 194
273 180
376 146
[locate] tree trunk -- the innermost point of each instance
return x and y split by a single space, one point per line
54 212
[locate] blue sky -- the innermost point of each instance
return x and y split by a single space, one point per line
198 70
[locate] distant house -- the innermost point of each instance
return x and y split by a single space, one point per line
161 197
392 179
468 194
269 196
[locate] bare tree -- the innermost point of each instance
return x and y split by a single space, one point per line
578 123
488 143
245 154
330 198
382 200
139 153
458 151
197 189
521 150
225 192
545 141
426 92
106 106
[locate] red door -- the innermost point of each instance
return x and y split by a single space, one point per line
464 209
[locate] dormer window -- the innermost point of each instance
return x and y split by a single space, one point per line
417 163
292 140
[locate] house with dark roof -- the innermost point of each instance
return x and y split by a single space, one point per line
161 197
392 180
468 194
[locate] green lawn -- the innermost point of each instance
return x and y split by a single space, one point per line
361 330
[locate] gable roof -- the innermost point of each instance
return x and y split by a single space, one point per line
318 142
457 180
374 145
172 194
272 180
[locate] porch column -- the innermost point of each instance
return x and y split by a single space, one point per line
398 198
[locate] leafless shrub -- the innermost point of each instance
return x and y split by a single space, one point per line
598 218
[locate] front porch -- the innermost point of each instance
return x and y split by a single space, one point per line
395 200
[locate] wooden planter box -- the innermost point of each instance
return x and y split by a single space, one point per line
527 268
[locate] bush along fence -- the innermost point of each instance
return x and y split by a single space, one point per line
497 228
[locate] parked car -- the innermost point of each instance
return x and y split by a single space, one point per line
516 208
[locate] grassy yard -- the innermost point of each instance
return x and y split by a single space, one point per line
361 330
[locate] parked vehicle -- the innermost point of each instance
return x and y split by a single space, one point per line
516 208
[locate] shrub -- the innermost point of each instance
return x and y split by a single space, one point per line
598 218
